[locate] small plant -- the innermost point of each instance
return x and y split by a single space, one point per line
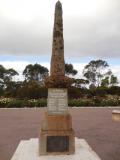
41 103
108 100
15 103
37 103
79 102
5 101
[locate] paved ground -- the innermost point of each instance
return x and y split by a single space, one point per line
95 125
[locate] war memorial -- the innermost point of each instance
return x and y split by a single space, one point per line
56 139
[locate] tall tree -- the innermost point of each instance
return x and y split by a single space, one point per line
109 81
6 75
95 71
2 72
9 74
113 80
69 70
7 84
81 82
35 72
105 82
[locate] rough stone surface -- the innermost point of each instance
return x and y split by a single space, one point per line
28 150
57 59
56 122
56 126
58 82
57 78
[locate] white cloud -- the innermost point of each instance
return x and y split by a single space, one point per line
79 67
91 27
17 65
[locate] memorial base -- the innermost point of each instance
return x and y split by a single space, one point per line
29 150
56 136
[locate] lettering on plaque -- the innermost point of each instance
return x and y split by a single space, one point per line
57 100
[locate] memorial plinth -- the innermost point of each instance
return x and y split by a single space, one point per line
57 135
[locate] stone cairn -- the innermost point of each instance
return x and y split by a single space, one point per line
57 135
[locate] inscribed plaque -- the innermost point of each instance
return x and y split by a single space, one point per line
57 101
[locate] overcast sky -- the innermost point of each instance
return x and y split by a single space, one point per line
91 31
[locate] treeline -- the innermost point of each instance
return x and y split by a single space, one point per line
98 81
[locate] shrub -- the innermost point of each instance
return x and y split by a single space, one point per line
79 102
73 93
37 103
5 101
32 90
97 101
100 91
16 104
41 103
111 101
114 90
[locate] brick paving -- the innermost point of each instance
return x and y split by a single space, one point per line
93 124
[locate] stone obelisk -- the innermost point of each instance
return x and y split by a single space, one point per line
57 60
57 135
57 68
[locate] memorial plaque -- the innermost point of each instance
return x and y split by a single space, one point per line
57 143
57 101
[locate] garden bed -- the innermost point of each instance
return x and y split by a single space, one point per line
92 102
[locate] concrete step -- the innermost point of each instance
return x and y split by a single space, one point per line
28 150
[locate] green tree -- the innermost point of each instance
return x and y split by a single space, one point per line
31 89
113 80
35 72
95 71
11 89
9 74
80 82
109 81
69 70
2 72
6 76
7 83
105 82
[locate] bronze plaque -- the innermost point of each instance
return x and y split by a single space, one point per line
57 143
